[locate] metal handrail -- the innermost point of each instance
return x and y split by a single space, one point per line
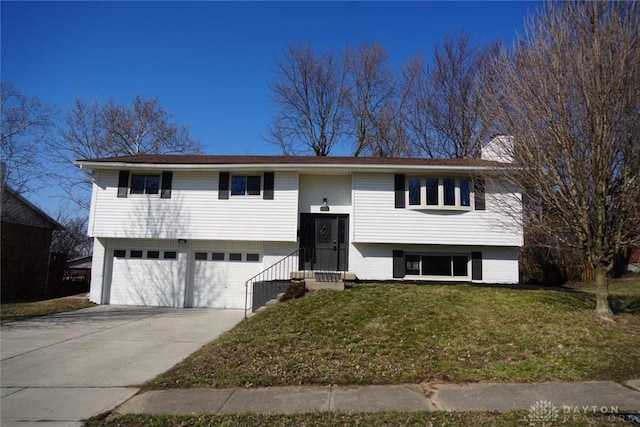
278 267
303 259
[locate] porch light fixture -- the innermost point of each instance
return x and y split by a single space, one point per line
325 206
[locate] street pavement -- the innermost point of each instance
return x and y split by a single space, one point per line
65 368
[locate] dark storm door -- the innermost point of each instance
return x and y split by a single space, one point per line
326 231
323 239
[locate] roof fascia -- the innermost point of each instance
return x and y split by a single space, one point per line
285 167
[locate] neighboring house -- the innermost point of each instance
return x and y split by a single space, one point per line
26 243
77 274
189 230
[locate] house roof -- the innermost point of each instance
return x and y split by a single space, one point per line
18 210
285 162
80 263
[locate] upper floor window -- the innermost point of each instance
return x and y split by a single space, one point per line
145 184
245 185
439 193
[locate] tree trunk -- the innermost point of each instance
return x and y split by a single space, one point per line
602 293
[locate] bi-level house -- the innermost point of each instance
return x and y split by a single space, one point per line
190 230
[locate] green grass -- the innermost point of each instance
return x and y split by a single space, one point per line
10 312
400 333
417 419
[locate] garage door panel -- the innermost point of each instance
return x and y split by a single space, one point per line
209 284
146 282
220 284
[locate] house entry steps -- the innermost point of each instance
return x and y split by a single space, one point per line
317 280
267 293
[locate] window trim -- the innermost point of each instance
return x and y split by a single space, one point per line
146 176
451 256
260 192
441 206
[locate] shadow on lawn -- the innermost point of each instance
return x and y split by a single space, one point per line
622 304
577 298
562 295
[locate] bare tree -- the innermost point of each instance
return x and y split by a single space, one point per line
26 123
145 128
72 240
93 130
443 111
570 96
371 92
389 138
310 93
415 111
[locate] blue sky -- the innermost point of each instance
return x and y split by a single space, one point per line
210 63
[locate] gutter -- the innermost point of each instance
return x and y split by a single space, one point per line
288 167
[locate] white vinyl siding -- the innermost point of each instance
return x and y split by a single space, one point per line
97 271
376 220
335 189
195 212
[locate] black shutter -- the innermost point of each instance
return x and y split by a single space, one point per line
398 264
399 189
267 193
478 194
223 186
123 184
165 192
476 265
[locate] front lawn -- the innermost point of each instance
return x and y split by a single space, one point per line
10 312
401 333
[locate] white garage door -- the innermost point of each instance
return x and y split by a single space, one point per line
146 277
219 278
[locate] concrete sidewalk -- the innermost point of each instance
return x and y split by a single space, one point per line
603 395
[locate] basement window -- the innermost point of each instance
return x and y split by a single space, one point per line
438 265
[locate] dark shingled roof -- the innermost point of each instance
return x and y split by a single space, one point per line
205 159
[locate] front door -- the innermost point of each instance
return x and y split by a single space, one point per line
324 242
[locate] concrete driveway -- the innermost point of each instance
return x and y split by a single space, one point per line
69 367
